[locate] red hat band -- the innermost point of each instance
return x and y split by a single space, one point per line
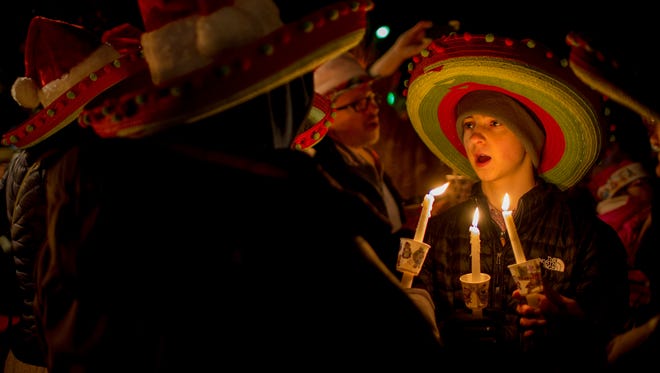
67 68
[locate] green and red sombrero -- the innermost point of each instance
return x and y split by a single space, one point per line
457 64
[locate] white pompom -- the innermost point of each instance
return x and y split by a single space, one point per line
25 92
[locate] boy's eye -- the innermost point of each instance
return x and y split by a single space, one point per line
468 124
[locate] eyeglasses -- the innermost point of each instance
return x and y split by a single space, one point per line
361 105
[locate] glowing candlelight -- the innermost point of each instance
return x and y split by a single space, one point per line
426 211
475 244
511 229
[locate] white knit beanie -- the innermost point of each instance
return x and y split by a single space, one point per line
498 105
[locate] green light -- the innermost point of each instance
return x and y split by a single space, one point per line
382 32
391 98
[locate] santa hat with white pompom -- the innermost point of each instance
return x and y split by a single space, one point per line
206 57
66 67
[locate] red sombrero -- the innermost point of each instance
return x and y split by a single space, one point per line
457 64
331 79
316 125
66 67
206 57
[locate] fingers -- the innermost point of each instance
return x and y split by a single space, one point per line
528 323
525 310
417 34
422 25
517 296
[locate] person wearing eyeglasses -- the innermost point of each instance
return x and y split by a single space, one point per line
346 151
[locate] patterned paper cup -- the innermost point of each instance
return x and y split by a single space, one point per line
529 279
475 291
411 256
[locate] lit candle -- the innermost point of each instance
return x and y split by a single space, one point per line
511 229
475 244
426 211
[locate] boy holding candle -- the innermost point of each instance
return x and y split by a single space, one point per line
507 113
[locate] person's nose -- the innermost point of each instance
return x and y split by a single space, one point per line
373 103
478 132
473 138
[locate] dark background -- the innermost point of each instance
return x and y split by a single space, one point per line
628 32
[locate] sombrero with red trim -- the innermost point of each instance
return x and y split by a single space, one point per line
316 125
66 67
331 79
205 57
456 64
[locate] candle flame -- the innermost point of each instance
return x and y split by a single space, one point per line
505 202
439 190
475 219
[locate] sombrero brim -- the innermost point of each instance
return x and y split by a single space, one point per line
316 125
322 115
235 77
590 66
456 65
65 109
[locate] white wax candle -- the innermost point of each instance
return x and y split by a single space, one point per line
424 217
475 244
427 205
511 229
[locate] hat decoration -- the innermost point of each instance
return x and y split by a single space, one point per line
331 79
206 57
340 75
457 64
319 119
66 67
610 180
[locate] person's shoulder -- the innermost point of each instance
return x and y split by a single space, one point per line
18 168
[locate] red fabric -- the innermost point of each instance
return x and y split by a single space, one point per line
124 38
640 291
628 220
44 62
4 322
158 13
